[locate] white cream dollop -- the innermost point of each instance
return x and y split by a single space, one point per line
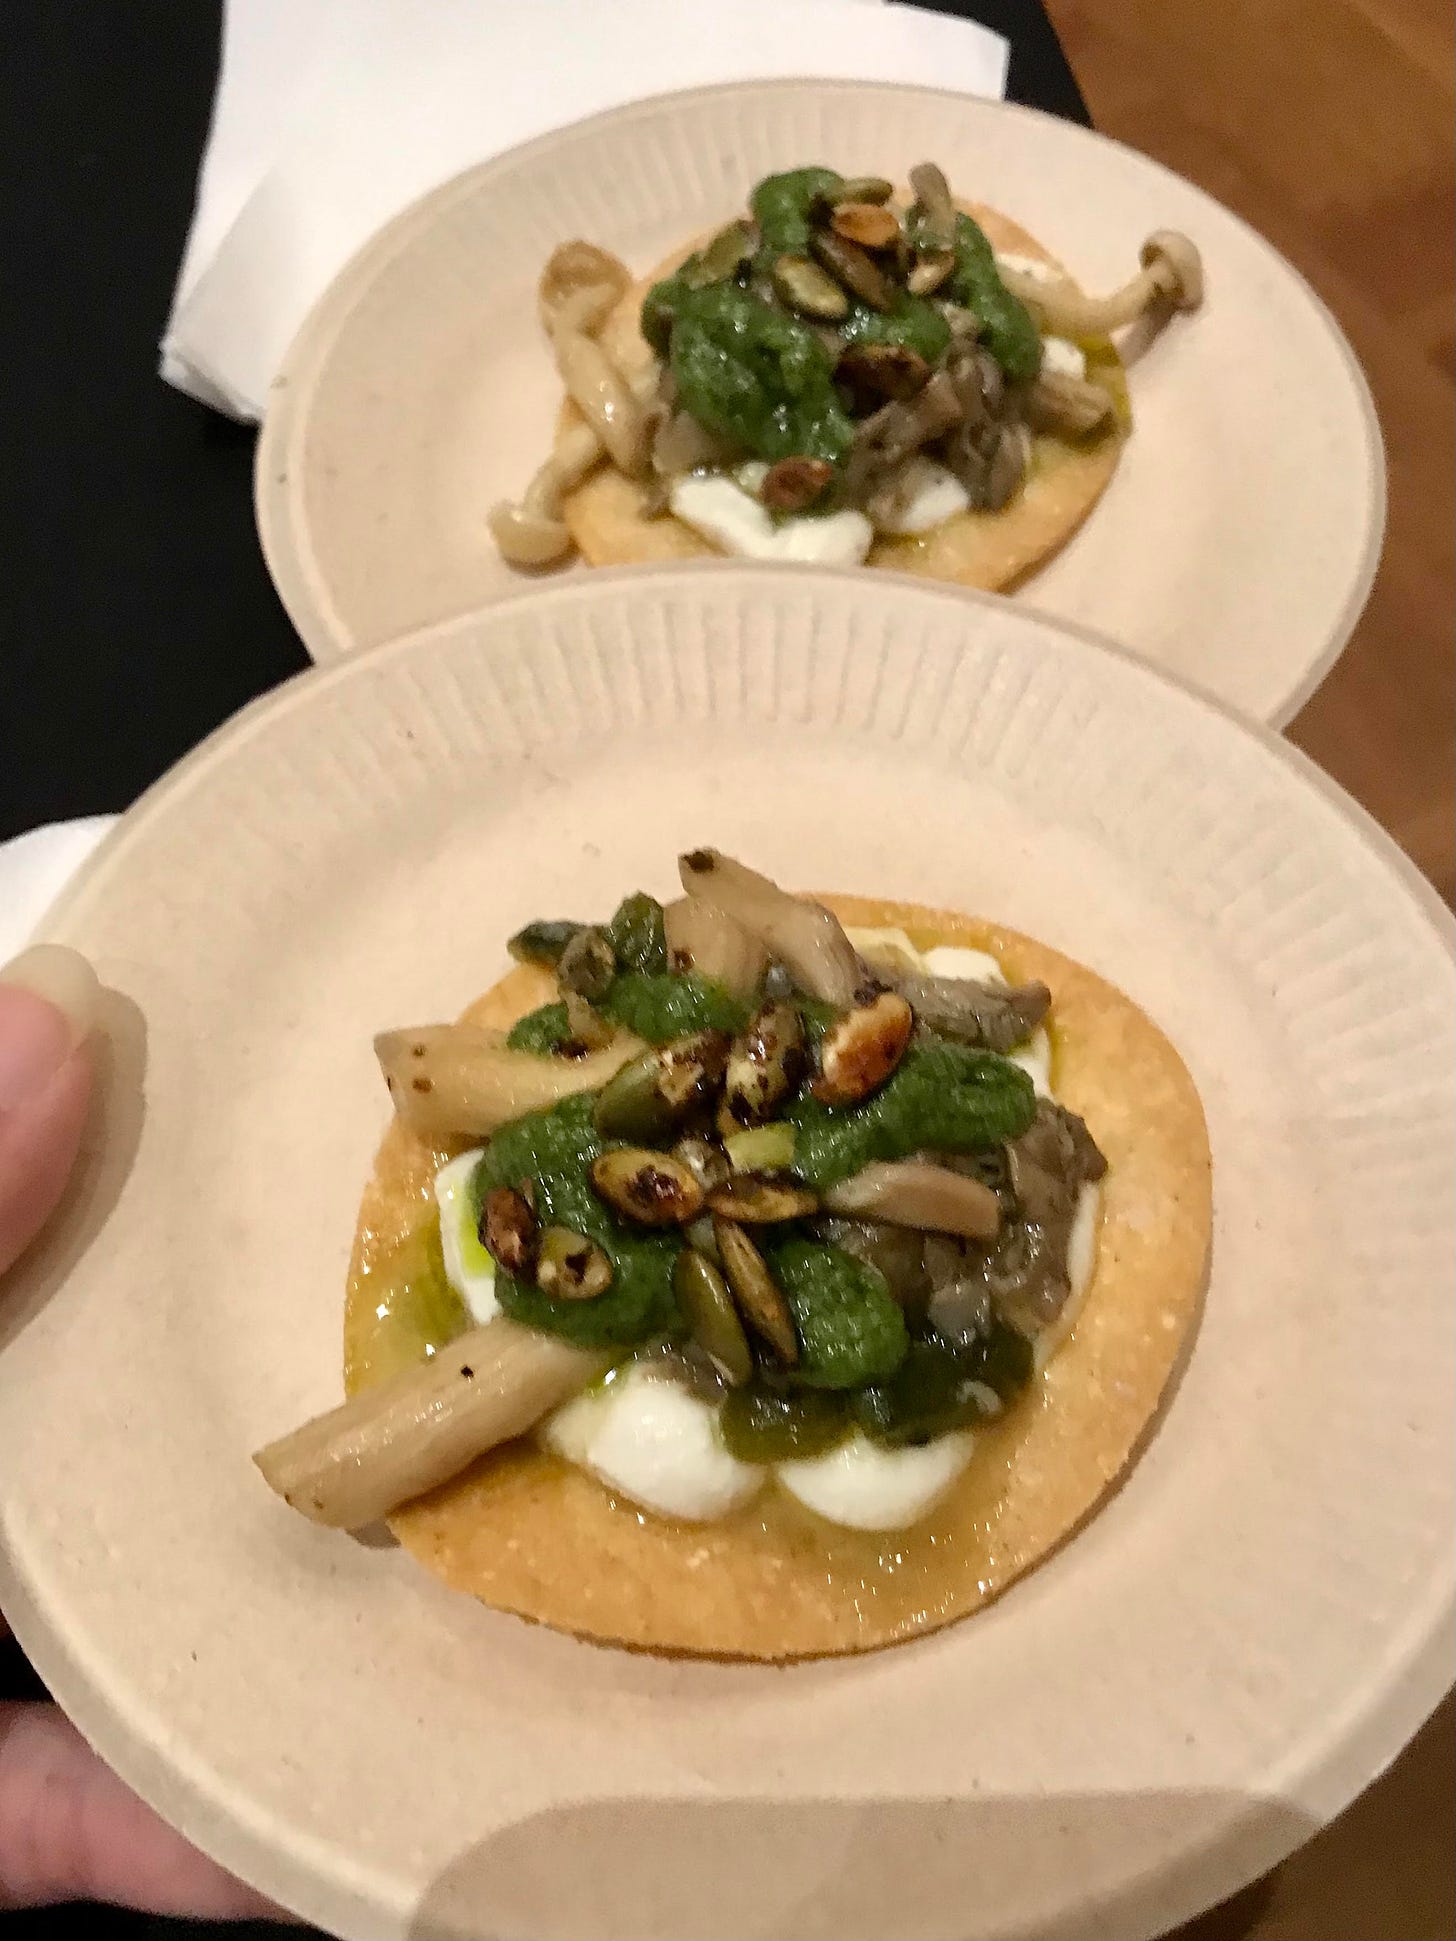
646 1437
926 495
468 1267
866 1487
1063 358
1032 266
715 506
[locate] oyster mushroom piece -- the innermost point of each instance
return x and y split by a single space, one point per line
1026 1269
805 937
1171 274
996 1017
918 1193
416 1430
705 939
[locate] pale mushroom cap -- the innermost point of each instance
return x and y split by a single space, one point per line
1177 257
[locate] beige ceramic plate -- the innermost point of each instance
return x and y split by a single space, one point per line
1235 546
1234 1645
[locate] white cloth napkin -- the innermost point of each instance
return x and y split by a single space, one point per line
332 115
35 868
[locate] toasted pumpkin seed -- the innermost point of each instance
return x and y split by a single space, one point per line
657 1090
793 484
508 1229
759 1297
691 1066
707 1307
569 1267
651 1188
723 257
807 289
869 224
765 1062
860 188
860 1052
850 265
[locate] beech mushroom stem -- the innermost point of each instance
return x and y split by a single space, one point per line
1171 273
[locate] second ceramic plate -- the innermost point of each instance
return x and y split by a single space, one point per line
1235 546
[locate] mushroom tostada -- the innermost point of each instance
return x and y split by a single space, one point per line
762 1277
837 378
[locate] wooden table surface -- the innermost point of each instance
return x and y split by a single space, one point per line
1327 123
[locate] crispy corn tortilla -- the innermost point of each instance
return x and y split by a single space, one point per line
526 1532
991 550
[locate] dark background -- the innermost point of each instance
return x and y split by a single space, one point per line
135 611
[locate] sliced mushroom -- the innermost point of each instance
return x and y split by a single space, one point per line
805 937
1172 274
417 1429
705 939
452 1079
918 1193
959 1304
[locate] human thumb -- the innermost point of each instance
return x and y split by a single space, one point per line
49 1003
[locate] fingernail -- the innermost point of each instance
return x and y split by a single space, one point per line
35 1044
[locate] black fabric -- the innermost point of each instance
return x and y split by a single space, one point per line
135 612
